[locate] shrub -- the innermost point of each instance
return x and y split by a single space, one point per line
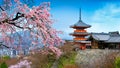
3 65
117 62
67 60
42 60
6 57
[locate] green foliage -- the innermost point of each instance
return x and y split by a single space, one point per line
68 58
3 65
51 59
117 62
6 57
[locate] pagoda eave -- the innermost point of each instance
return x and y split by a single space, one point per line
80 27
78 34
81 41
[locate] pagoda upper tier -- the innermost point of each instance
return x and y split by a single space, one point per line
80 30
80 24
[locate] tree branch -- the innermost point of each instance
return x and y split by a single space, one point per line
1 44
18 15
2 8
16 25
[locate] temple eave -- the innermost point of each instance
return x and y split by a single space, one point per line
81 41
80 26
78 34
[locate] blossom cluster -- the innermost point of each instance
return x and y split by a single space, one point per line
21 64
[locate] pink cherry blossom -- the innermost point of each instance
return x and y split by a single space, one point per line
22 64
16 0
37 20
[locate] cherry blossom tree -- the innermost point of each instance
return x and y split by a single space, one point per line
37 20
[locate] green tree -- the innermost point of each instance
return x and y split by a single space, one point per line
3 65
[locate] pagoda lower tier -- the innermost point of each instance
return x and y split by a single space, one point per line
82 43
79 38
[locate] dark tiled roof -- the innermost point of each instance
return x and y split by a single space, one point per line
80 23
113 40
100 36
106 37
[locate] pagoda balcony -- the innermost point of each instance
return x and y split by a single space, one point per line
77 27
79 33
82 41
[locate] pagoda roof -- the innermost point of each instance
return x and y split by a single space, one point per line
80 23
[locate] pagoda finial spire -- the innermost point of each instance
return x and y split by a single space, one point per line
80 14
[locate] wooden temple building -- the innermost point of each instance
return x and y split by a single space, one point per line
80 33
102 40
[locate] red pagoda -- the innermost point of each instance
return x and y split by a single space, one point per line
80 33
